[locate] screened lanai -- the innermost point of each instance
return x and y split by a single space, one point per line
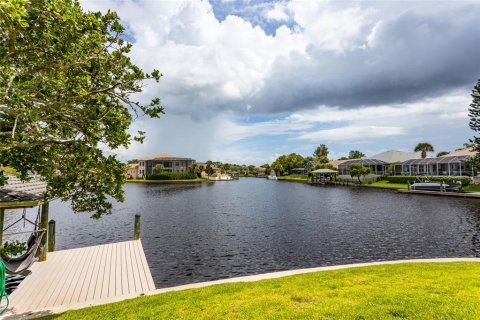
442 166
377 167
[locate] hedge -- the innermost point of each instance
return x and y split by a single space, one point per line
166 175
405 179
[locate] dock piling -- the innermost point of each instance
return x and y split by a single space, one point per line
136 235
51 236
44 225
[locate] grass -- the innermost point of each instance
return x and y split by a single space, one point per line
166 181
472 188
386 184
294 178
401 291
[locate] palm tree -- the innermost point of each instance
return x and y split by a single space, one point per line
424 147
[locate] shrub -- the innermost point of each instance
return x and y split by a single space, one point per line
171 176
405 179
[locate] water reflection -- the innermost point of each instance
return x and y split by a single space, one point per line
207 231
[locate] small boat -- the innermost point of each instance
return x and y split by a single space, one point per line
272 175
435 186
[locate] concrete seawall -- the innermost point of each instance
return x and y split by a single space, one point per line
280 274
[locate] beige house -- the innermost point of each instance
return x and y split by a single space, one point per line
170 163
132 171
216 171
261 171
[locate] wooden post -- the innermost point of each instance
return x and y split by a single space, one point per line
44 226
51 236
2 216
136 234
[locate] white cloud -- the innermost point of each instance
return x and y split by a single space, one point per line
279 12
396 67
349 133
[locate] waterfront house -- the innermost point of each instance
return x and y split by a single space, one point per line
377 167
311 164
298 171
170 163
261 171
215 169
132 171
452 164
382 163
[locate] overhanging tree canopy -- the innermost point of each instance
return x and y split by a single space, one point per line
65 94
474 114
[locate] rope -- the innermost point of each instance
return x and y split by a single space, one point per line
23 232
3 284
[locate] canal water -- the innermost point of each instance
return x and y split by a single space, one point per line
206 231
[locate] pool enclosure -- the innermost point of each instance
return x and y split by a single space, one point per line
377 167
441 166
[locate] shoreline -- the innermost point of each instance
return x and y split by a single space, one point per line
286 273
167 181
243 279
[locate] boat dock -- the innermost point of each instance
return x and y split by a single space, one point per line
471 195
82 277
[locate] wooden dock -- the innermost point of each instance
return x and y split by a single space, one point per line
82 277
470 195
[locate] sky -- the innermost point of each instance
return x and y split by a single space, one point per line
245 81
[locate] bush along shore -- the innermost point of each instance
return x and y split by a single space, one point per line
392 182
169 177
411 179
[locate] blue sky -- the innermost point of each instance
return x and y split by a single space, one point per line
246 81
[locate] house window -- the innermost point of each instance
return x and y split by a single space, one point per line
142 164
177 163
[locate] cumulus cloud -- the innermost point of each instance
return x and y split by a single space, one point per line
352 132
338 54
336 68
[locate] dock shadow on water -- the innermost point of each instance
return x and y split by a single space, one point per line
206 231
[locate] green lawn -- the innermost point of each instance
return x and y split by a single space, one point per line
165 181
402 291
386 184
472 188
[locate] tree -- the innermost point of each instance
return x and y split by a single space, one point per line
267 168
321 153
358 170
159 167
227 167
132 161
424 147
391 167
442 153
474 115
209 169
343 158
285 163
201 168
65 90
197 169
278 168
324 166
355 154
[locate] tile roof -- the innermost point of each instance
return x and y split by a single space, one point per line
17 190
165 156
462 152
392 156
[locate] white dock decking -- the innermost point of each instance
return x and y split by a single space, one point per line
76 278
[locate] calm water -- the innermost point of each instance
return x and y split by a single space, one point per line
206 231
